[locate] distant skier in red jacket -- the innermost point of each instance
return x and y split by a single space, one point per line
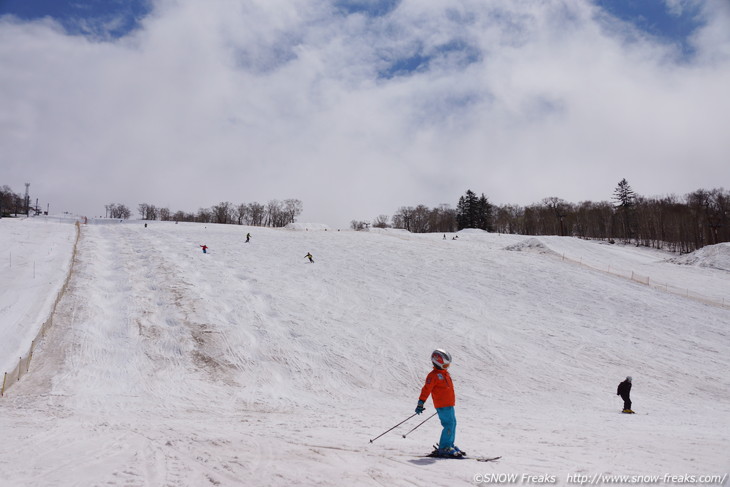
205 248
440 387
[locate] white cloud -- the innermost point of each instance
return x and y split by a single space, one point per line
251 101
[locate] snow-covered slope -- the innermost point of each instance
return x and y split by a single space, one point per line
36 255
250 366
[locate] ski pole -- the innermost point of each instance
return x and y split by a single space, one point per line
419 424
394 427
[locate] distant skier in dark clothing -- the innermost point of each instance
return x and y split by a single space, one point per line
248 237
205 248
309 256
624 390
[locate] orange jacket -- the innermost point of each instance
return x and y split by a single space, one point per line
440 387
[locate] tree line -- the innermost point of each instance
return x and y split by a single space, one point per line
275 213
681 224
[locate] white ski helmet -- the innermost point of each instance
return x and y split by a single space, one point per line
441 358
629 378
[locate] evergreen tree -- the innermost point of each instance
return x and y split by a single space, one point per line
465 210
625 199
483 214
624 195
474 212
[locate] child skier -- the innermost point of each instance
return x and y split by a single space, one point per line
624 390
440 387
309 256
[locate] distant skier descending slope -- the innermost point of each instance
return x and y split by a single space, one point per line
205 248
624 390
440 387
248 237
309 256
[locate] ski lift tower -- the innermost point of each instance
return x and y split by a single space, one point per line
27 199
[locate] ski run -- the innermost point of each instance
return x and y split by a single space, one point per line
250 365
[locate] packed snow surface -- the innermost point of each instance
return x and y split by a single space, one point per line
248 365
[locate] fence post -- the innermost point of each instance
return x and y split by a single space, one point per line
30 356
2 391
20 361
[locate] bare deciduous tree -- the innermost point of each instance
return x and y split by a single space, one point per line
243 214
258 212
292 209
204 216
222 212
359 225
381 221
147 211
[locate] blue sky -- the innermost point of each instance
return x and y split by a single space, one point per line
359 107
655 17
671 24
105 18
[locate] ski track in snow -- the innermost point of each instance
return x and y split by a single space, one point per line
250 366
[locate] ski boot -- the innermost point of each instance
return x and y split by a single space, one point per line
449 452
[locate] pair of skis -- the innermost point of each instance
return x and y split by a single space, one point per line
463 456
434 454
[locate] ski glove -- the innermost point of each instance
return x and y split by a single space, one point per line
420 408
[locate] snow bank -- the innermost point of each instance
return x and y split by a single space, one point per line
307 226
35 261
389 231
713 256
531 245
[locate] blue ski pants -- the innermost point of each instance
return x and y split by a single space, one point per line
448 421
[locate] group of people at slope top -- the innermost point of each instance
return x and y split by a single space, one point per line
441 389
